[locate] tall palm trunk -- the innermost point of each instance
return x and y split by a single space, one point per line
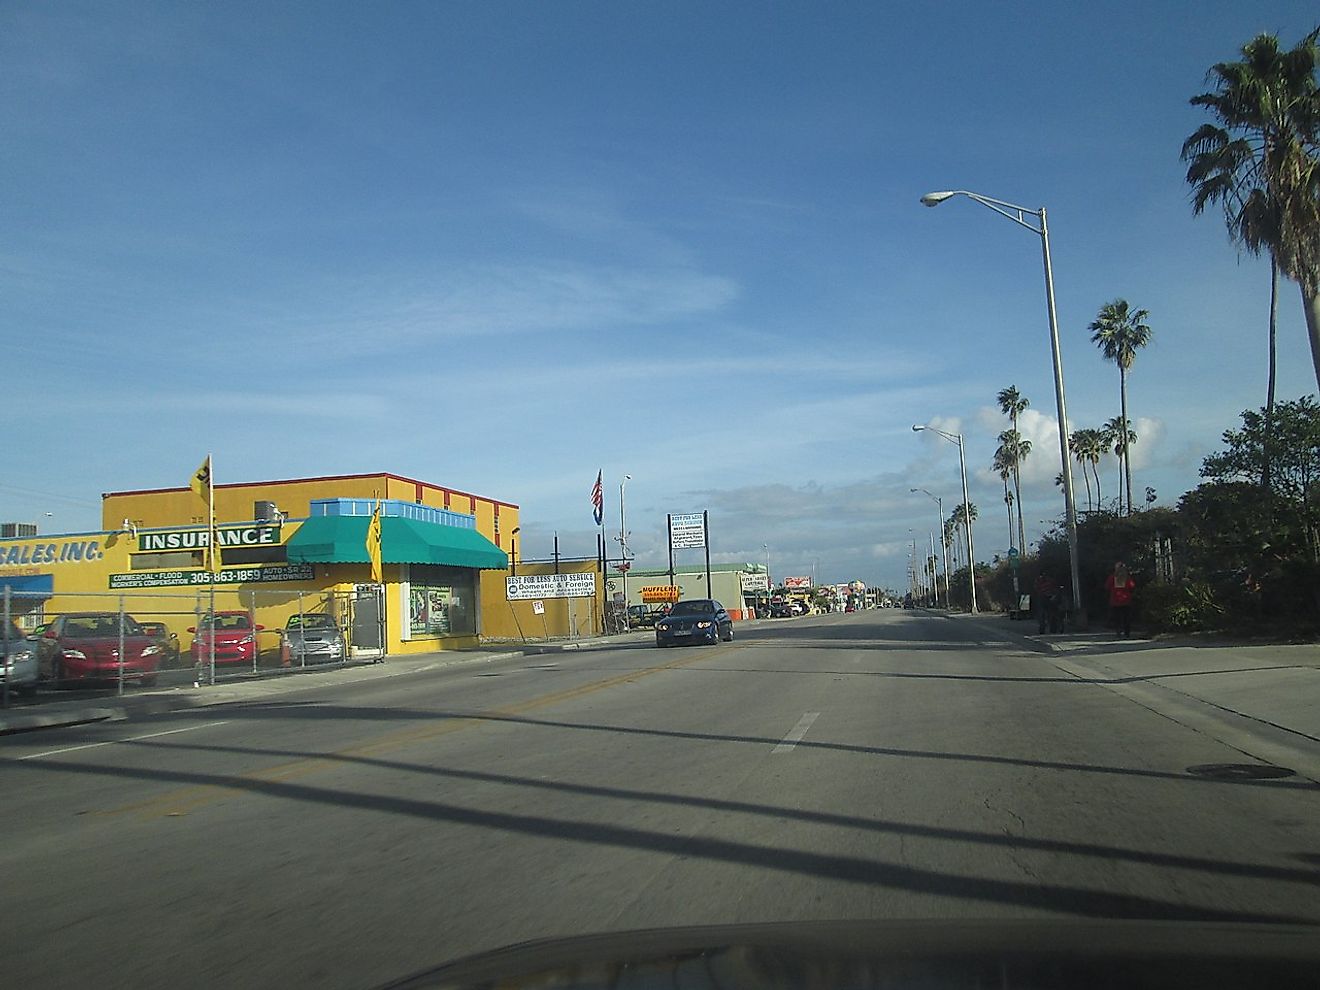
1127 460
1095 469
1311 309
1268 442
1008 503
1017 489
1087 478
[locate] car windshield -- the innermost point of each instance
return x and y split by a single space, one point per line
223 622
693 608
310 622
98 626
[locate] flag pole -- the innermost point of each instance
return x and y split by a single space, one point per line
214 559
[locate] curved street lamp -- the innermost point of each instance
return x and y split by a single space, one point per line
1018 215
944 552
967 512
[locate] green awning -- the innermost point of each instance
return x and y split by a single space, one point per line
343 540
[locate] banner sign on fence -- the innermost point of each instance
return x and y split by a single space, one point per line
797 582
230 575
522 587
687 531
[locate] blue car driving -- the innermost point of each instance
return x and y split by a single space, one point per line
696 620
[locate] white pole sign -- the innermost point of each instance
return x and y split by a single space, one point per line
687 531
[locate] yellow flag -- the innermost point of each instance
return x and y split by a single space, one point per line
373 544
213 552
201 480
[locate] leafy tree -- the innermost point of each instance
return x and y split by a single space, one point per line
1259 161
1121 332
1293 436
1012 404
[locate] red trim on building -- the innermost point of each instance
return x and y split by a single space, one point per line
421 485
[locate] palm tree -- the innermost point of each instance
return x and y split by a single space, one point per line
1087 447
1004 469
1012 403
1120 332
1111 435
1014 450
961 519
1258 160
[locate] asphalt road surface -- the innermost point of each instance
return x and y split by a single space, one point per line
866 766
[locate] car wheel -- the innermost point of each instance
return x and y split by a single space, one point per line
729 638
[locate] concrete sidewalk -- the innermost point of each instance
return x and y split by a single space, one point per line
1275 685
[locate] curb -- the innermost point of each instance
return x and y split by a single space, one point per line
174 700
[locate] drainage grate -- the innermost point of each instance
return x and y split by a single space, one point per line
1240 771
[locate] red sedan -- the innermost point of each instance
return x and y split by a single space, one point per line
84 646
235 635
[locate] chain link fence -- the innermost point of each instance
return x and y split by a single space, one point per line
111 641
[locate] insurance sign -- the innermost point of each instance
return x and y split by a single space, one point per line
523 587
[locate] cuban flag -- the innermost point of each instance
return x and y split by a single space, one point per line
598 500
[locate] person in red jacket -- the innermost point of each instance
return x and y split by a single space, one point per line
1120 586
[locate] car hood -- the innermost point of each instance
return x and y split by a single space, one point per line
226 635
107 647
685 620
1008 954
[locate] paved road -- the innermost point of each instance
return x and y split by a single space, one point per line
875 765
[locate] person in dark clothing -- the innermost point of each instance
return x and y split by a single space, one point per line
1045 603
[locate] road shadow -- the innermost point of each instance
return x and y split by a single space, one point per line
849 869
774 812
325 712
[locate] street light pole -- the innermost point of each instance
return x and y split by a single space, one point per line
944 551
1017 214
967 512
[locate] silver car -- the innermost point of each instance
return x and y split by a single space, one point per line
314 639
18 660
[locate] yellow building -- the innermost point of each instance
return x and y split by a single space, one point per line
285 547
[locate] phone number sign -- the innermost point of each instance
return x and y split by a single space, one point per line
522 587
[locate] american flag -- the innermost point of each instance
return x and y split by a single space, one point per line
598 499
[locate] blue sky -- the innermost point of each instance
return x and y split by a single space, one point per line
500 246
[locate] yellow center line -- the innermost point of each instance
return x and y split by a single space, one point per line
183 800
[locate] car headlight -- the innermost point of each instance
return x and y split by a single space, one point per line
74 654
151 651
21 656
661 627
704 625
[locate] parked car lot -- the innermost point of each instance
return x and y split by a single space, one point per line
236 638
696 620
81 647
314 639
168 642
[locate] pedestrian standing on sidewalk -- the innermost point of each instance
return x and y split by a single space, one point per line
1120 586
1045 602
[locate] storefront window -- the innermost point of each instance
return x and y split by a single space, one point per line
442 601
